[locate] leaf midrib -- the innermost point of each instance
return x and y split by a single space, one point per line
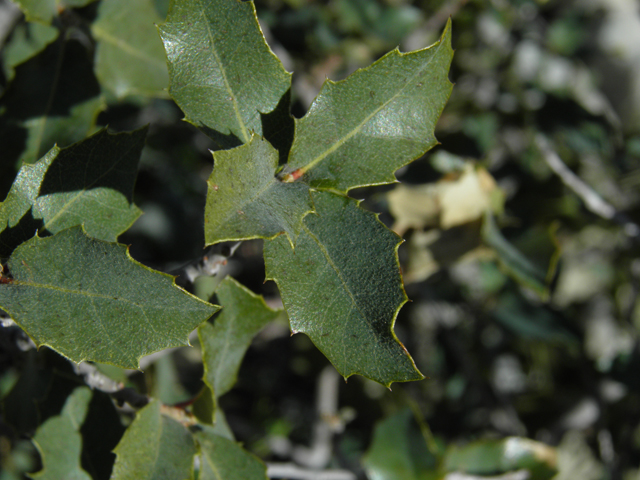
354 131
245 133
84 293
345 285
80 193
103 34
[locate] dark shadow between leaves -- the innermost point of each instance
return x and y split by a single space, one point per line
52 82
13 139
46 379
25 229
97 162
278 127
223 141
101 432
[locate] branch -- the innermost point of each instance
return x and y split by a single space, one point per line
594 202
294 472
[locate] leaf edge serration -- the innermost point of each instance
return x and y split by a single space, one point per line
128 257
392 322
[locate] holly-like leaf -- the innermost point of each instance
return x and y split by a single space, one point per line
44 10
130 59
89 183
222 73
225 341
360 130
245 199
89 300
154 447
221 458
342 287
59 441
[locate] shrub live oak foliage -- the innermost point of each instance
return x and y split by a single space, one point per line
72 288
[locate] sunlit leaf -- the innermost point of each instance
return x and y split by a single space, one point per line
360 130
225 341
245 199
89 183
74 294
221 458
154 447
222 73
342 287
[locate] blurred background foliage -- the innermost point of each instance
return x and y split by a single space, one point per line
521 234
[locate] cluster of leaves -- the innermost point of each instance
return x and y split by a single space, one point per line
72 288
524 332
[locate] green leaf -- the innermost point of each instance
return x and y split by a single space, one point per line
74 294
225 341
221 458
154 447
130 59
493 457
222 73
245 199
515 263
399 451
89 183
342 287
53 99
44 10
27 40
59 441
360 130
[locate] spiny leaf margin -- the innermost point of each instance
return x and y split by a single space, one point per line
354 136
24 298
343 229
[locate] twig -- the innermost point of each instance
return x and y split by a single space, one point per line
10 15
209 265
328 422
594 202
294 472
517 475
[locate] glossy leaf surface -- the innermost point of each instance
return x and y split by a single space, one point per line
74 294
225 341
221 458
154 447
130 59
245 199
360 130
222 72
59 441
342 287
